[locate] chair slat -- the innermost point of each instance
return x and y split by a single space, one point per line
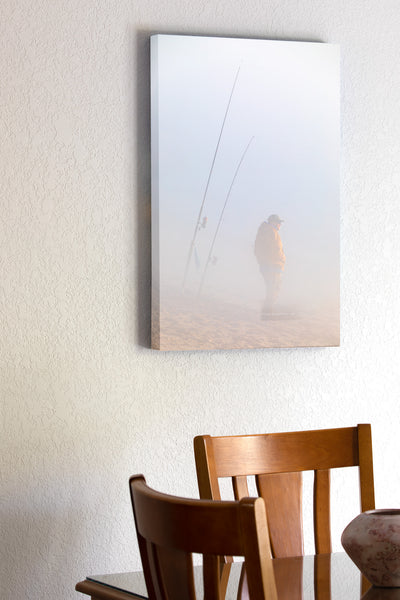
240 487
282 493
211 570
322 512
367 492
175 573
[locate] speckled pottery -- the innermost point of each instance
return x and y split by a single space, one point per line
372 540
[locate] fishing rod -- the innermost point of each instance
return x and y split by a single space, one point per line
196 229
221 216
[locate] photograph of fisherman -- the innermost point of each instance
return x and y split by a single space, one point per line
245 133
271 259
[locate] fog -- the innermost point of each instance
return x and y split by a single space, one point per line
272 149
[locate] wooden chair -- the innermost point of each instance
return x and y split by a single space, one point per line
170 528
276 460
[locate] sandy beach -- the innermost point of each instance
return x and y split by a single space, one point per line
189 323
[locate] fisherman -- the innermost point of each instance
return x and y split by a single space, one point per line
271 260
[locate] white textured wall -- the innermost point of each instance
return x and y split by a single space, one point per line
85 403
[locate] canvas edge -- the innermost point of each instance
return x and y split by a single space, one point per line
155 245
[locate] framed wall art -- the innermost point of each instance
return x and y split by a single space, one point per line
245 139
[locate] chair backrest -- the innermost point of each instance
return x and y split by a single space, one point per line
170 529
276 460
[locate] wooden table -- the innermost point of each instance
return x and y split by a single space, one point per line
320 577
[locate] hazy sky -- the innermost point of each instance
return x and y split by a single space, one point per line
286 101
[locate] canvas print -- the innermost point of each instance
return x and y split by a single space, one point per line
245 143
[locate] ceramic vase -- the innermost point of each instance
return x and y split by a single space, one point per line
372 540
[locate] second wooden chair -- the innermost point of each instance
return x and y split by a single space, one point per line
276 460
